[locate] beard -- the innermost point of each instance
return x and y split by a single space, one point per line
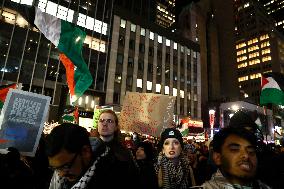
227 168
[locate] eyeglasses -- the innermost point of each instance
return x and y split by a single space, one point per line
106 120
67 166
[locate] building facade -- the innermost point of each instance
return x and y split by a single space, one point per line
124 52
259 47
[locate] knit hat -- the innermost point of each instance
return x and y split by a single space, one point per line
170 133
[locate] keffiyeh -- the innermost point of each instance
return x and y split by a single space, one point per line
61 183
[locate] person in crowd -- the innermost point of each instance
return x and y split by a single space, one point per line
136 139
76 164
145 162
109 134
14 172
172 167
234 153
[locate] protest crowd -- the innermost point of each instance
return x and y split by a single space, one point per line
71 157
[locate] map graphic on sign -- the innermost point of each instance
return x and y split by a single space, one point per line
146 113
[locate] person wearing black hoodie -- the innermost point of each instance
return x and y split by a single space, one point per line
145 162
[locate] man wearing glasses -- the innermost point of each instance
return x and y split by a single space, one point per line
74 162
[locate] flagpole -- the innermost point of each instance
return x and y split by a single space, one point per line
265 114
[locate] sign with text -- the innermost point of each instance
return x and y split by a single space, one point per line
146 113
22 121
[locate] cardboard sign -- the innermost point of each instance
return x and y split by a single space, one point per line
146 113
22 121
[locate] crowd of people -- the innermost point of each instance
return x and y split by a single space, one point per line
70 157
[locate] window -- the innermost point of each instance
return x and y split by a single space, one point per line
152 35
168 42
133 27
117 78
141 48
149 85
175 46
142 31
121 40
160 39
174 92
122 23
119 59
140 64
151 51
158 88
150 68
167 90
139 83
130 62
129 81
131 44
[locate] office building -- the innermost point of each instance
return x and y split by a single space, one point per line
275 9
124 52
259 47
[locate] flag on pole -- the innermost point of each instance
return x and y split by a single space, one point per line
272 89
4 89
69 40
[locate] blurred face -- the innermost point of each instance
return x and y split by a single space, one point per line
140 153
107 125
70 165
172 148
237 160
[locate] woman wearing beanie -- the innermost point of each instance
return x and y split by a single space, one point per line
172 167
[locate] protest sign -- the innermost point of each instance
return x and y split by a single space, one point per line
22 121
146 113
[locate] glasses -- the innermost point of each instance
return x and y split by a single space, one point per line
106 120
66 166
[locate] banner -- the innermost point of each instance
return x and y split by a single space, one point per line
146 113
22 121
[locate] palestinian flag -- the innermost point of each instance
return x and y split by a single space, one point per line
272 89
4 89
68 39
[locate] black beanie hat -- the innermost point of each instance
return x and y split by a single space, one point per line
170 133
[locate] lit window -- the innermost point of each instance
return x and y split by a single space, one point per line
181 93
149 85
188 51
82 20
167 90
90 22
51 8
142 31
122 23
133 27
25 2
160 39
174 92
152 35
168 42
175 45
139 83
158 88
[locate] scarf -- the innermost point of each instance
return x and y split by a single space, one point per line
62 183
218 181
174 176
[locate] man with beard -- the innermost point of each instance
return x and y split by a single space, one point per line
234 153
76 164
